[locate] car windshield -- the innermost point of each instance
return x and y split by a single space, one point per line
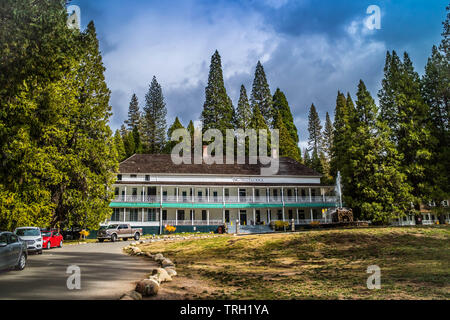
28 232
46 234
113 226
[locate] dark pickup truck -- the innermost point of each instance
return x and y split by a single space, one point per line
114 232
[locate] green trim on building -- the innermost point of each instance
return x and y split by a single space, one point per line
310 205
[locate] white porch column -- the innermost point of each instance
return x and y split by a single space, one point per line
177 193
176 217
268 194
323 194
193 194
282 195
311 213
253 190
192 213
209 191
254 216
125 197
161 194
223 195
124 214
223 215
143 194
283 212
207 215
239 198
298 217
310 196
142 218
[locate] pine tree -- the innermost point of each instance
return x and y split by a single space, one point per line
281 104
244 111
171 144
154 124
327 147
134 115
315 141
288 148
137 141
218 109
436 94
379 190
261 96
404 111
123 131
120 147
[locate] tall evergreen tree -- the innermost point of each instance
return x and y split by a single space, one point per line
315 140
244 111
405 112
288 148
56 148
123 131
129 145
306 158
218 109
154 124
258 123
379 191
281 104
261 96
134 115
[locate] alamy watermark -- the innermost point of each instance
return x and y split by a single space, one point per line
74 280
74 19
241 147
374 20
374 280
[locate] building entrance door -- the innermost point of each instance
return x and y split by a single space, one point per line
243 218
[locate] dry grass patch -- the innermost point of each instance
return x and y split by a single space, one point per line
414 262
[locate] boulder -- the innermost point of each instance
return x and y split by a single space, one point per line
136 250
167 263
158 257
171 272
162 275
148 287
132 295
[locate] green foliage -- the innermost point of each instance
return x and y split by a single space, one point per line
134 115
120 147
288 148
171 144
258 123
57 151
218 111
244 111
154 124
261 96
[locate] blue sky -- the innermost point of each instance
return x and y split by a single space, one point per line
309 49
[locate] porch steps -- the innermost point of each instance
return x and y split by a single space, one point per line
250 229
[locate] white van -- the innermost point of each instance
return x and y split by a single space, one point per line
32 237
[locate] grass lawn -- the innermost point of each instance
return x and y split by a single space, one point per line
325 264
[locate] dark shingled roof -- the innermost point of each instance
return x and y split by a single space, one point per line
162 164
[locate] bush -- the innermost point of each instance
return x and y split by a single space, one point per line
170 229
279 225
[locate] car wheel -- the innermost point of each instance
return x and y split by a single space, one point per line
137 236
114 238
49 245
22 262
61 244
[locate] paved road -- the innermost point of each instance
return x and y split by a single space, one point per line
105 273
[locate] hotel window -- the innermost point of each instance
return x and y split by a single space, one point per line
147 177
215 196
164 215
289 193
200 195
204 215
257 193
280 215
116 215
116 191
184 195
180 215
119 177
227 193
227 216
301 214
275 193
290 215
133 176
164 195
151 214
134 215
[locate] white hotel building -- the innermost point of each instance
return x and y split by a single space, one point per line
151 192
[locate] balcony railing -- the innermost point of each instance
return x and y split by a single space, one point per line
220 199
191 222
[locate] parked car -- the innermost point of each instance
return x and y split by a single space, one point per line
52 239
13 251
114 232
32 237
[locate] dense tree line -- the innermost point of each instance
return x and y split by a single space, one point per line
57 151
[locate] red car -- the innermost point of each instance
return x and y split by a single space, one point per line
51 239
